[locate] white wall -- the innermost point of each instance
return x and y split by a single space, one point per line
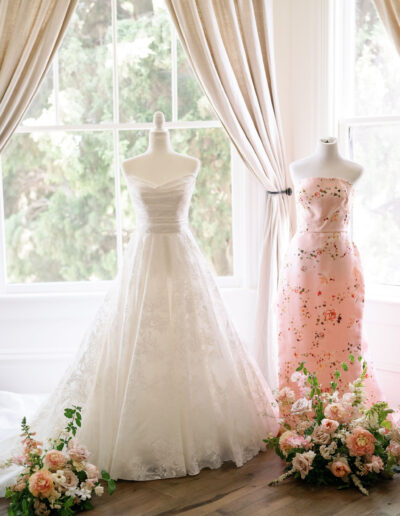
39 333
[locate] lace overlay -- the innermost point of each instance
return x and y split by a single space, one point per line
166 385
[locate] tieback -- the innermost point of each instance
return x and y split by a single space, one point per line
288 191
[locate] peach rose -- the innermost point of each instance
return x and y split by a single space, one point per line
339 468
341 412
54 460
360 442
77 452
41 483
329 426
91 471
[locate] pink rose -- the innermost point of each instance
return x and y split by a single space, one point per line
360 442
319 436
341 412
339 468
71 480
329 426
302 463
375 464
77 452
55 460
290 440
394 449
41 483
91 471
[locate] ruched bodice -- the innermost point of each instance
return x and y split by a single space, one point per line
324 204
161 208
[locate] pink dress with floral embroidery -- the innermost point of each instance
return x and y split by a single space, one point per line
321 294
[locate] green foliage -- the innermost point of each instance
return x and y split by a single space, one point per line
110 482
59 191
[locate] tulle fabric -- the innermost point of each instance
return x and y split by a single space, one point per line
167 387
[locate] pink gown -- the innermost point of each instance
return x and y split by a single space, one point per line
321 293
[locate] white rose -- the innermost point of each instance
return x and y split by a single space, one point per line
99 490
301 406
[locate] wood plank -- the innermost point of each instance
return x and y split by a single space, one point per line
242 492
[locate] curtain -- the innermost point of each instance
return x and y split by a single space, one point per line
389 11
229 46
30 33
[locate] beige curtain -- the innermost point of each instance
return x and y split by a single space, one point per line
229 45
30 33
389 11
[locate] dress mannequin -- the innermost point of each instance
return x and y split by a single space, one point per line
326 162
160 163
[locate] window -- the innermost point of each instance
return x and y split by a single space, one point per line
370 131
67 213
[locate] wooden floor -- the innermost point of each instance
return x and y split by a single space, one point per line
245 492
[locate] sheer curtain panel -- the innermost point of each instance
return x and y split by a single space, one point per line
389 11
30 33
229 45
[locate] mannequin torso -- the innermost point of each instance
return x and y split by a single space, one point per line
160 163
326 162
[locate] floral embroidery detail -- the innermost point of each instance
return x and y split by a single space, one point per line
321 295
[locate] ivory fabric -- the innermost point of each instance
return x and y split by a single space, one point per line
389 11
165 384
321 293
229 45
30 33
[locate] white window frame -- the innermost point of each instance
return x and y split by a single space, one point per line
242 192
344 46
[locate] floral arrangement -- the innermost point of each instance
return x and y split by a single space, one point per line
58 480
333 439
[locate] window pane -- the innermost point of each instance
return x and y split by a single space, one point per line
59 207
131 143
85 63
377 202
144 60
42 109
211 208
192 102
377 66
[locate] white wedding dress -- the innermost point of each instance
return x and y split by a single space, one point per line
165 383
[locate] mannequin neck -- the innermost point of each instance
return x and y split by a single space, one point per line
327 149
159 142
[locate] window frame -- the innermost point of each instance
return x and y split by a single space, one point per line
344 45
242 261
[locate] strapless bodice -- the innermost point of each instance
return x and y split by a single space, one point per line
161 208
324 204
